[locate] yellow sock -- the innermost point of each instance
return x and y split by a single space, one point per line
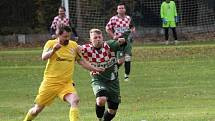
29 117
74 114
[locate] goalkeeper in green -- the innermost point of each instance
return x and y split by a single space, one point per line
169 18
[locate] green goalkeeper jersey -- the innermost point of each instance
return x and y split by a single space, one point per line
168 11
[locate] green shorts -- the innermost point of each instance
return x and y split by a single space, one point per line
169 24
112 88
125 50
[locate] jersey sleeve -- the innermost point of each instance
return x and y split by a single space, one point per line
48 46
161 10
78 56
114 45
110 24
54 23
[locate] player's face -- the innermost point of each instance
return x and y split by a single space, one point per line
96 39
65 36
61 12
121 9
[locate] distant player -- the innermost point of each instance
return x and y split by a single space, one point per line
116 27
169 18
61 54
105 84
61 19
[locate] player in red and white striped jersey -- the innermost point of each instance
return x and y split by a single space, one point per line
116 27
61 20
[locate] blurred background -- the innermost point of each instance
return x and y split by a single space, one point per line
28 21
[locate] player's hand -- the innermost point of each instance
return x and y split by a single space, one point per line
53 36
164 21
115 37
76 38
121 61
99 69
121 41
57 47
133 30
176 19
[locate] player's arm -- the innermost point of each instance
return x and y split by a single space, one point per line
53 28
161 11
110 32
85 64
109 29
49 52
115 44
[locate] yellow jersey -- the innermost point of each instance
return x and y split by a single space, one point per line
60 66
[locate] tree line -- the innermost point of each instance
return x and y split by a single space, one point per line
27 16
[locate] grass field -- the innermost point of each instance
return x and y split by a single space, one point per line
168 83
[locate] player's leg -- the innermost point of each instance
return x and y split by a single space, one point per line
100 91
113 101
111 112
33 112
73 100
68 93
175 35
166 33
173 27
101 99
45 96
127 64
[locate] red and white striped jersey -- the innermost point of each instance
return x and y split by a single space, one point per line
119 25
59 21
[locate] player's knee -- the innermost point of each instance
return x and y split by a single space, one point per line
76 100
112 111
100 101
73 99
112 107
127 58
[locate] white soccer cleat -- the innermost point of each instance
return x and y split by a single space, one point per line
126 79
176 42
167 42
100 119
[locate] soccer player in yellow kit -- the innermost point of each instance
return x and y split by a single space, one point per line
61 54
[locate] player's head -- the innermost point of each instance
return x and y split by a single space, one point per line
61 11
63 33
121 9
96 38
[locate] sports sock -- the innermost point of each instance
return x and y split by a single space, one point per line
100 111
127 67
108 116
74 114
29 117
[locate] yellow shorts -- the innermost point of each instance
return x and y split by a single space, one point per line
49 91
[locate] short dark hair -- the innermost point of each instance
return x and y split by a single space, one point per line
121 3
61 7
62 28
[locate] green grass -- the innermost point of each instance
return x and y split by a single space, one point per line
168 83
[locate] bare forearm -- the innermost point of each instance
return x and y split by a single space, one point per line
87 65
47 55
111 34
